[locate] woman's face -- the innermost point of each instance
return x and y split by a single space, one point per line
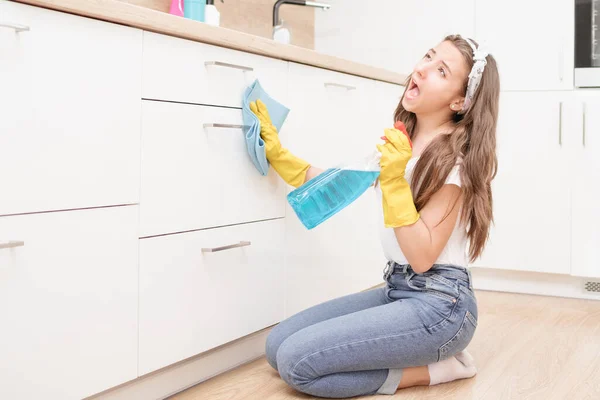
437 81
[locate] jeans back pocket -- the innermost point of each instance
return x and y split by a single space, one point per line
461 339
442 287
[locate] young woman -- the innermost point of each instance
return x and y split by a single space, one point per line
436 210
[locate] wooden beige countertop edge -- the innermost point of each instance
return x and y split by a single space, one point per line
155 21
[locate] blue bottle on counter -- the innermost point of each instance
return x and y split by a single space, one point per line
333 190
194 9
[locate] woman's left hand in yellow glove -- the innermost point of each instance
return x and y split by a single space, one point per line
398 206
290 168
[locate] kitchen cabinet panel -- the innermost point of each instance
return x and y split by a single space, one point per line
70 111
196 176
531 40
585 239
69 302
192 300
183 70
531 192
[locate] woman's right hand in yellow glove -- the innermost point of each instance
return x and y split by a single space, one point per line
398 206
290 168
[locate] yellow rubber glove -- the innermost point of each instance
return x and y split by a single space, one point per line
289 167
398 206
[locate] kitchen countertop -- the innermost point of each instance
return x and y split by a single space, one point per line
161 22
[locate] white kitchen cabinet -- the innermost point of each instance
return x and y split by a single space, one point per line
196 177
531 192
68 302
70 111
192 300
531 40
331 115
585 238
188 71
332 120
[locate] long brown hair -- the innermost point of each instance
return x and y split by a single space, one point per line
473 139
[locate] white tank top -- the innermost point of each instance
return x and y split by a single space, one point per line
454 253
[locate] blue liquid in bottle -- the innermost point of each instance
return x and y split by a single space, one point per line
328 193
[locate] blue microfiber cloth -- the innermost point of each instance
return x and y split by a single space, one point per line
254 143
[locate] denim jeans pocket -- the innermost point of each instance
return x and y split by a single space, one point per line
461 339
442 287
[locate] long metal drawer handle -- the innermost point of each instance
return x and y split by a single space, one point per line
340 85
227 65
16 27
560 107
234 126
231 246
11 244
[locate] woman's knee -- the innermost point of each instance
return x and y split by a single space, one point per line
295 362
287 358
274 340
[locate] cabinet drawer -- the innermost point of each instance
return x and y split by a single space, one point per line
70 111
192 301
184 70
68 301
195 177
341 105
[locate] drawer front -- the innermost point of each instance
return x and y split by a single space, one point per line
195 177
68 301
340 105
184 70
70 119
192 301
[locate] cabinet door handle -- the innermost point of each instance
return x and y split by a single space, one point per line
231 246
17 27
227 65
12 244
216 125
327 84
583 139
560 107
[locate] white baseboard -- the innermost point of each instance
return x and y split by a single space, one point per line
175 378
531 283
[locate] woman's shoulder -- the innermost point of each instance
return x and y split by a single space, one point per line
454 175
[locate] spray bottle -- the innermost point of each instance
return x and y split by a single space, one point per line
333 190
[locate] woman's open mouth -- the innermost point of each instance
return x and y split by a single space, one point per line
413 90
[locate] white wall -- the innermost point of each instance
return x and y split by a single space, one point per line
391 34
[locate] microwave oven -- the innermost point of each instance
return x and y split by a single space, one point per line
587 43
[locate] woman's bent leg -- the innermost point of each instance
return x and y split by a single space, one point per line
365 352
321 312
358 354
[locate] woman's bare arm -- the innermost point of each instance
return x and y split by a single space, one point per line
422 242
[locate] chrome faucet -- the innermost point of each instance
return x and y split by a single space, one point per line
280 33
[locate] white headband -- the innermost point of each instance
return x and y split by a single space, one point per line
479 58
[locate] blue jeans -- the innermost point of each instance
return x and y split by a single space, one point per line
358 344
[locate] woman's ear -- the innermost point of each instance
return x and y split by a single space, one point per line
457 104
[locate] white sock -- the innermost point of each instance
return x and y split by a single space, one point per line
461 366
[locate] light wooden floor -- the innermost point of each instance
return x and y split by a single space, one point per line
526 347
